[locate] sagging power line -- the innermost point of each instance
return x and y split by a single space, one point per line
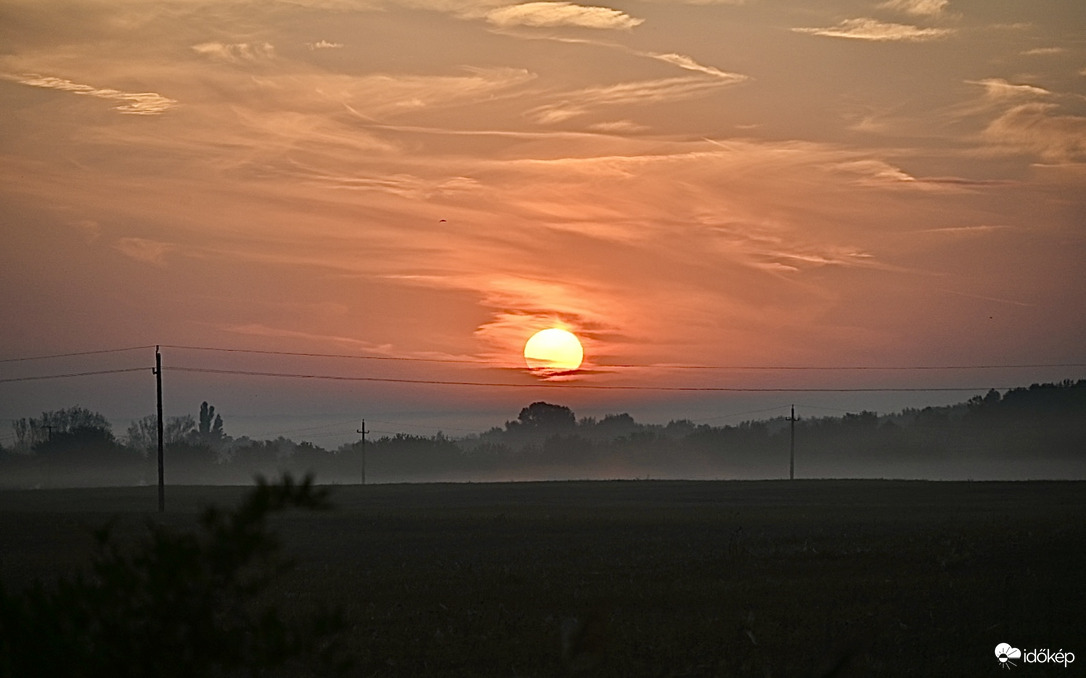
580 385
78 353
75 374
536 385
491 363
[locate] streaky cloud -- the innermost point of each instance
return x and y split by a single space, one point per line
553 14
874 30
235 53
1045 51
1039 128
618 127
640 92
998 88
878 173
685 62
966 230
916 7
134 103
262 330
1030 119
142 249
985 297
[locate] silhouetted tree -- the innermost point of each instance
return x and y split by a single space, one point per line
210 430
545 417
28 433
142 434
31 432
179 429
85 438
616 425
175 604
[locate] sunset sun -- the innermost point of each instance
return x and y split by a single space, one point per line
553 349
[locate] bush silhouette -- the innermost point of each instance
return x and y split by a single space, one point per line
175 604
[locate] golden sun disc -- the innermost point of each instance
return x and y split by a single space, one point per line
553 349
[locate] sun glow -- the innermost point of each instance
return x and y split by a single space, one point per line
553 350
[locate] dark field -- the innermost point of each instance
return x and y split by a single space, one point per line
775 578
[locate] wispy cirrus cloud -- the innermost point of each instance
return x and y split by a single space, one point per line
1000 89
553 14
142 249
878 31
618 127
583 101
688 63
323 44
982 229
1045 51
132 103
261 330
1025 118
876 172
1040 128
381 94
916 7
235 53
702 2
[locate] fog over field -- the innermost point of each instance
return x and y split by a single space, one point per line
1021 434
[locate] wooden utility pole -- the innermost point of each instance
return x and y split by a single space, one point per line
161 474
362 432
792 446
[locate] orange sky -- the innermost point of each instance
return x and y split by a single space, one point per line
729 183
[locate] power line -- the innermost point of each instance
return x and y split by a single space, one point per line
741 414
569 385
75 374
634 365
419 425
79 353
331 355
873 368
466 361
827 409
338 424
312 431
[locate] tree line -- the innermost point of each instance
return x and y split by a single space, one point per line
1024 432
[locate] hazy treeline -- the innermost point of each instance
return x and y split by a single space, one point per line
1039 431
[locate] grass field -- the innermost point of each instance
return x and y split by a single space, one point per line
734 578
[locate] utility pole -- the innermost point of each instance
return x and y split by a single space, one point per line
792 446
161 475
362 432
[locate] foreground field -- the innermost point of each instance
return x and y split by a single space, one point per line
768 578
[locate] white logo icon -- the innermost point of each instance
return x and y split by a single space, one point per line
1005 653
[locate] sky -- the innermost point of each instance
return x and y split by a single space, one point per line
702 191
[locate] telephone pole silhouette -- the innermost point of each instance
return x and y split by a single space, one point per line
161 475
362 432
792 446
